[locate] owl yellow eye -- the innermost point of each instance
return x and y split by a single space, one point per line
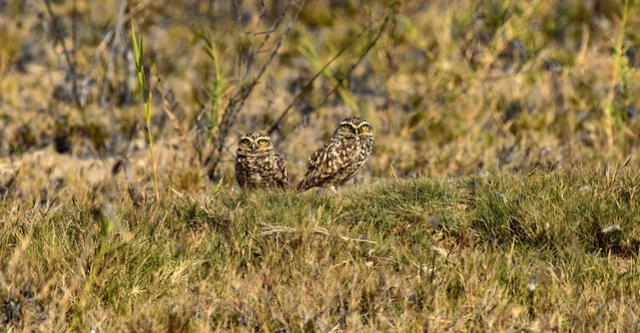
364 127
245 142
262 142
346 127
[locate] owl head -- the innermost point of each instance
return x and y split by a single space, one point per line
353 127
254 143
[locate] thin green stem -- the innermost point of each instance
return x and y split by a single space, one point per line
154 171
618 68
138 51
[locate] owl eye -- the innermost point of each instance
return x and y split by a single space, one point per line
245 142
262 142
364 127
346 127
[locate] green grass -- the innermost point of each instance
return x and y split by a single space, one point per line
486 252
147 106
490 204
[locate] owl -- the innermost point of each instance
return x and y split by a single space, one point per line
257 164
340 158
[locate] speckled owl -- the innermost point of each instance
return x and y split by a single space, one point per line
257 163
339 159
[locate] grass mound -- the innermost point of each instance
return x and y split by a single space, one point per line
532 251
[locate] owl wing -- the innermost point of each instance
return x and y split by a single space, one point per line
324 164
315 158
282 177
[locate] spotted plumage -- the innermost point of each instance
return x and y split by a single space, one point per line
340 158
257 164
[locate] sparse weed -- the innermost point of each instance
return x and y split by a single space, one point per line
216 89
144 84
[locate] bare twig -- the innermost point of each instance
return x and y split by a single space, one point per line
307 86
65 51
135 10
262 13
245 89
116 49
267 36
274 230
340 80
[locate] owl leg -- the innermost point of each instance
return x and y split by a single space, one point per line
330 188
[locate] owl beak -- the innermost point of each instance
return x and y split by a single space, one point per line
254 146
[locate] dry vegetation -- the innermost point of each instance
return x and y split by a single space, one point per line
503 194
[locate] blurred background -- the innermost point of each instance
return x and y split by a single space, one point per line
451 87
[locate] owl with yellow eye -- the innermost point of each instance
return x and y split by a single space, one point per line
339 159
257 163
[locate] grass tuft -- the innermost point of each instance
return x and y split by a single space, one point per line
544 250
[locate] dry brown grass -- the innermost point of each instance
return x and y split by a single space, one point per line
463 92
548 251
